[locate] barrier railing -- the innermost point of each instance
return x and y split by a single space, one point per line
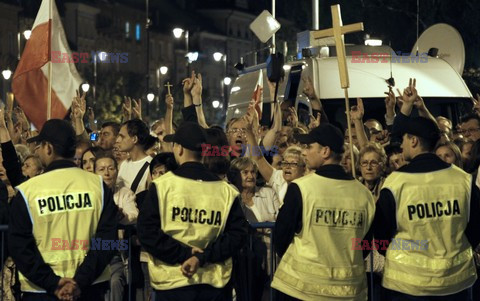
272 265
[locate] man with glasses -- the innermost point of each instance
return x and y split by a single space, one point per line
427 200
470 127
236 129
323 213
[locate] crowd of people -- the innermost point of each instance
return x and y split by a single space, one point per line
242 186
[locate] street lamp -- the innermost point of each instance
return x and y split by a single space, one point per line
102 55
27 33
177 33
217 56
85 87
227 81
150 97
215 104
163 70
6 76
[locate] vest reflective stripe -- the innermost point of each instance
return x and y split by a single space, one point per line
435 207
320 264
196 217
67 210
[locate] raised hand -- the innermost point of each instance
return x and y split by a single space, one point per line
357 112
390 100
308 88
169 101
137 108
314 121
188 83
21 118
410 94
293 116
197 86
127 108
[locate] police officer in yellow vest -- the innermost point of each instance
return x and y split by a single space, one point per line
429 210
54 217
323 214
191 224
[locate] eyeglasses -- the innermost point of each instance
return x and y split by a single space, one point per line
290 164
234 131
372 163
469 131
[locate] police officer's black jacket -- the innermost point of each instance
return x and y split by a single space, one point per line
170 250
385 222
27 257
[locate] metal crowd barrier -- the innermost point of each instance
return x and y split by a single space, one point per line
272 266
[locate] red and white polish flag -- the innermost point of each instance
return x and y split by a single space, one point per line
30 81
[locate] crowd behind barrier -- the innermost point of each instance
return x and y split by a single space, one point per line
261 161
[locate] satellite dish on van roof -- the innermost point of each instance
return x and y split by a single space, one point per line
445 42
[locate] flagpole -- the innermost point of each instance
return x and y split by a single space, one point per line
49 91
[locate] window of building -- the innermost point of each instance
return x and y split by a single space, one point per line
127 30
137 32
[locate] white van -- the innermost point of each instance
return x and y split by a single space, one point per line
442 88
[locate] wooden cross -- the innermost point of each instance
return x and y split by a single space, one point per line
337 32
168 85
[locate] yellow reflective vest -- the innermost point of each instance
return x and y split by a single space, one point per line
194 213
320 263
65 207
431 206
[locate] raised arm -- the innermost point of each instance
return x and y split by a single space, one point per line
197 100
357 116
266 170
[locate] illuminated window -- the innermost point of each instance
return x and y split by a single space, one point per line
137 32
127 30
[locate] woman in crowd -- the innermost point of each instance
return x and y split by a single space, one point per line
161 164
106 166
449 153
32 166
372 165
347 159
260 205
88 158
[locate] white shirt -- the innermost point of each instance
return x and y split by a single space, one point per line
265 205
278 184
128 172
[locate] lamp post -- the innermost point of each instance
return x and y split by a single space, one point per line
102 56
26 34
160 71
218 56
85 87
6 76
177 33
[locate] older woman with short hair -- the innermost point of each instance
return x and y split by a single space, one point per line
372 165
